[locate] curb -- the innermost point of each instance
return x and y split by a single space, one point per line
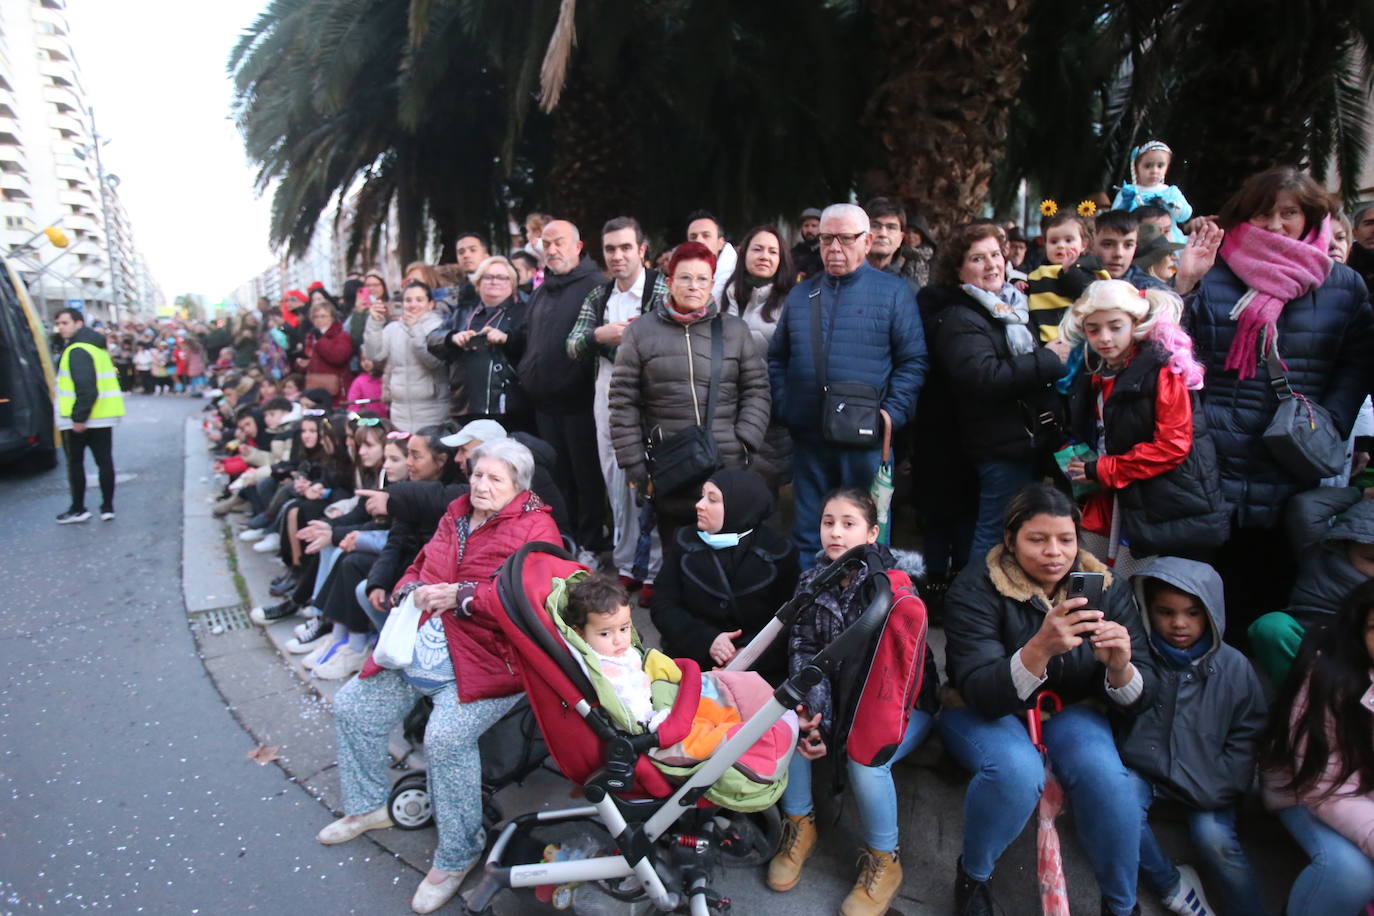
266 690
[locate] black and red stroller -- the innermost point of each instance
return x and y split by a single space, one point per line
662 837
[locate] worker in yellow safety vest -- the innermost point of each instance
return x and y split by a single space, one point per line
89 405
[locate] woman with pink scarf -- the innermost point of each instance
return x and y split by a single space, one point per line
1273 298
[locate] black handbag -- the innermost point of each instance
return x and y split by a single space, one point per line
689 456
1302 437
851 412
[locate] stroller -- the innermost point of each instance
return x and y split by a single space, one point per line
665 835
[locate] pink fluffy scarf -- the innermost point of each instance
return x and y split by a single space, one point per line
1278 270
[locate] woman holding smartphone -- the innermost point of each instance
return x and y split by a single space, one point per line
1015 628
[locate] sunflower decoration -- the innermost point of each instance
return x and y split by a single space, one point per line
1048 207
1087 209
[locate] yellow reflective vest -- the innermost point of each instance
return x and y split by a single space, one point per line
109 400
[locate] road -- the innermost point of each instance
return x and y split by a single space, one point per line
124 785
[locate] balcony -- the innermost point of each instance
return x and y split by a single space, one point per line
52 17
59 70
61 95
14 181
13 152
57 46
74 197
10 126
67 122
68 172
84 222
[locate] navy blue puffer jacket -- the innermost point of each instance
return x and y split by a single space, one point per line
872 328
1326 338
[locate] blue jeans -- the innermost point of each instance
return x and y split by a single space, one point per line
378 619
816 470
1008 777
1214 838
998 482
874 791
1338 881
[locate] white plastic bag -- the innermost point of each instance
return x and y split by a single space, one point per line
396 644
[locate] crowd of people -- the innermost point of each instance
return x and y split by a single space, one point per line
1163 401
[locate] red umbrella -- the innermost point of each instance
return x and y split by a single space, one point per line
1049 862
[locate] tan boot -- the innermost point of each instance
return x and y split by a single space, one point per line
798 841
880 877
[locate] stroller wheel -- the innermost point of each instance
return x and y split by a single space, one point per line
751 840
409 804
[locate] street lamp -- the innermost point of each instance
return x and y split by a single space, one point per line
94 146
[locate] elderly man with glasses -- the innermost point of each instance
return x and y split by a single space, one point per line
847 360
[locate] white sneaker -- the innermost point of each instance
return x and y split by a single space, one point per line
1189 898
252 534
322 652
268 543
342 664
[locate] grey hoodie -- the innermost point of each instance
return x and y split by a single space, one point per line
1321 523
1197 741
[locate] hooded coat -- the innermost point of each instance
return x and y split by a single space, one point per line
993 609
1321 523
662 377
702 592
1198 741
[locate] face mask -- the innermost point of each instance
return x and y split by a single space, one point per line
722 540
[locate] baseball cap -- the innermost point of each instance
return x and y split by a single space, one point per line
811 213
478 430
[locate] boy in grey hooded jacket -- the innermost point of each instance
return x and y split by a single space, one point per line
1197 743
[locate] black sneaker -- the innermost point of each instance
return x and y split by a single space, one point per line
107 515
268 613
285 584
971 898
72 516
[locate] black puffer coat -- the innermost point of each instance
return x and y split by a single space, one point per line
662 377
482 376
993 609
1327 340
701 593
415 507
1179 512
999 397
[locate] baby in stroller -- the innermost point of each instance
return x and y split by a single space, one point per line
671 801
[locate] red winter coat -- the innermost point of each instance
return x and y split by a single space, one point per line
331 353
484 664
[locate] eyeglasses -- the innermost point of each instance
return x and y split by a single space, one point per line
694 282
495 278
888 227
847 239
397 435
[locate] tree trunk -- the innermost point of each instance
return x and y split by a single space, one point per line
594 173
949 75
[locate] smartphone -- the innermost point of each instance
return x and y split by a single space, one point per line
1087 585
365 295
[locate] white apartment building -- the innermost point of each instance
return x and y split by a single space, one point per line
49 175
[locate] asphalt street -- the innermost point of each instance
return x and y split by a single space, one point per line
124 785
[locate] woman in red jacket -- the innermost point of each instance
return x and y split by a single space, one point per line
328 350
461 660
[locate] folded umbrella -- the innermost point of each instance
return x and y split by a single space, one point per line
1049 860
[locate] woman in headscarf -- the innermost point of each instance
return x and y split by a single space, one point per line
727 577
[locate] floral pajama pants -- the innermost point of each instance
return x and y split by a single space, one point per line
367 710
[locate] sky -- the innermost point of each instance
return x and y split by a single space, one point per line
154 70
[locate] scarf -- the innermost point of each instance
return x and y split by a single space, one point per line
686 317
1008 307
1180 659
1277 270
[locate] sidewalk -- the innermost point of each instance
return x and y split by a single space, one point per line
280 705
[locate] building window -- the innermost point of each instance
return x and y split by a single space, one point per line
16 222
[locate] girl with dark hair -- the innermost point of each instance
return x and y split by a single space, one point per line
1012 631
849 519
1274 304
756 292
1317 766
415 382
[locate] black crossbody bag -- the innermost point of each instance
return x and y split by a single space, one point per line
689 456
850 411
